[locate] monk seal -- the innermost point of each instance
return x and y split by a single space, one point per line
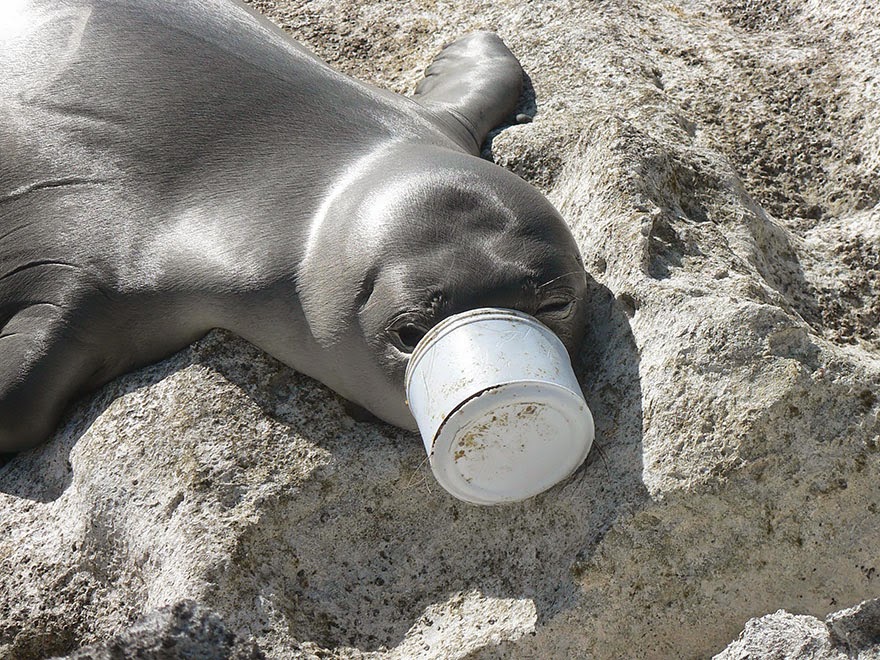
168 168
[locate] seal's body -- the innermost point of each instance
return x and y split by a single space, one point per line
168 168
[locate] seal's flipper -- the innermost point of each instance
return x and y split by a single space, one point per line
39 370
472 86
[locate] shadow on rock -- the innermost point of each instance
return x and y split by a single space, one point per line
43 474
525 111
178 631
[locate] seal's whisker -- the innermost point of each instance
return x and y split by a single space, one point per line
548 282
601 453
451 266
418 472
370 303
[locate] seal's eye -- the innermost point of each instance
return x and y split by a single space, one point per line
406 334
556 307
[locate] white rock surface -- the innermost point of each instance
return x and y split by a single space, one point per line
851 634
719 163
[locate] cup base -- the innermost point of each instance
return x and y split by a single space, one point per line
511 442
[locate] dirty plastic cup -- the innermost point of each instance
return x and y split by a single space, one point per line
498 406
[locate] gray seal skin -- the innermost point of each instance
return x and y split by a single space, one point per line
168 168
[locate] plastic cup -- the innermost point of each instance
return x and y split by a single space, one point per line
498 406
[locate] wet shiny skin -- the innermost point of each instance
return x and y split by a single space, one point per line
168 168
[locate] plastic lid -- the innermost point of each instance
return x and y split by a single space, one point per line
511 442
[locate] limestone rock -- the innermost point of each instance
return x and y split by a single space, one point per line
850 633
857 629
183 630
717 161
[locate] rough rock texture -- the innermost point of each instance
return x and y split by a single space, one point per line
719 163
183 630
850 633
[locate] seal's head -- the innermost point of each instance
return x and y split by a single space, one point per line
420 236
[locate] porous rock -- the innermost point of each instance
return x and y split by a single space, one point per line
182 630
717 161
852 633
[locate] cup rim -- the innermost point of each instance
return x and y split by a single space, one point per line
485 313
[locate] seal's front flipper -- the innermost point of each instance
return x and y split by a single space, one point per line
472 87
41 366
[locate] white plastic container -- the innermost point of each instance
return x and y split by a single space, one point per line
498 406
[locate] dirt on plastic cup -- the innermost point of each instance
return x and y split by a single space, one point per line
498 406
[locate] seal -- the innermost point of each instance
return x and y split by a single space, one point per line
169 168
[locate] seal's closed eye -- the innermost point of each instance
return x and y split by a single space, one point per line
406 333
556 307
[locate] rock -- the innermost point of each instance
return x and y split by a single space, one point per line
717 161
783 636
850 633
179 631
857 629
